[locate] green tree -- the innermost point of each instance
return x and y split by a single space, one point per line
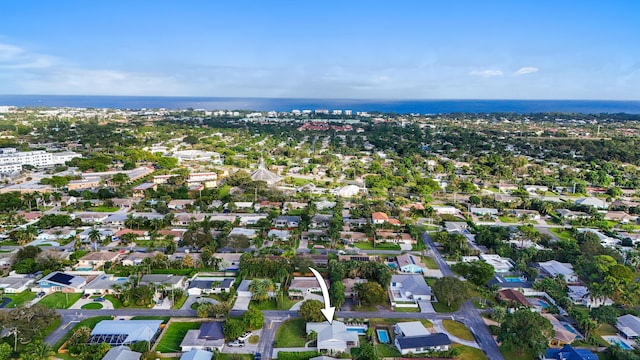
233 328
310 311
367 351
336 293
5 351
526 331
253 318
371 293
478 272
451 290
260 289
37 350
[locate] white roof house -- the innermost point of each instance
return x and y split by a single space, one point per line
250 233
124 332
500 264
408 288
121 353
629 326
553 268
333 337
593 202
15 284
410 329
197 355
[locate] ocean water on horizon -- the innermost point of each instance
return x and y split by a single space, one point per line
288 104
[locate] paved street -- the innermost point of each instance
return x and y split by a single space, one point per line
467 314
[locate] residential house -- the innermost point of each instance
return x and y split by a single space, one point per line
135 258
553 268
514 298
205 285
483 211
378 218
228 261
352 236
593 202
572 215
140 234
15 284
349 287
197 355
445 210
121 353
334 337
580 295
620 216
104 284
324 204
567 352
314 235
528 214
407 290
124 332
422 344
305 285
138 191
459 227
286 221
210 336
321 221
97 259
249 233
280 235
409 263
59 281
628 326
410 329
55 234
562 335
92 218
500 264
394 237
167 280
180 204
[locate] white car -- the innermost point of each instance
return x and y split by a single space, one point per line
245 336
236 343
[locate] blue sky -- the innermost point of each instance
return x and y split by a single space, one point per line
323 49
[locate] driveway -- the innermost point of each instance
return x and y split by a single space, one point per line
106 304
196 298
297 305
247 348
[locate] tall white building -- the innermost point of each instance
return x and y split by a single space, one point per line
12 160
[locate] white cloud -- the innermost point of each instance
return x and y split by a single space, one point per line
526 70
486 73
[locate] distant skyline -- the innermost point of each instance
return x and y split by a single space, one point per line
329 49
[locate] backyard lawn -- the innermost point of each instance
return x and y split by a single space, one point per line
270 304
59 300
19 299
291 334
562 233
457 329
170 341
509 353
429 262
368 245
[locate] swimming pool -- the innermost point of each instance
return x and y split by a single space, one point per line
393 265
383 336
84 269
513 279
359 330
614 340
572 330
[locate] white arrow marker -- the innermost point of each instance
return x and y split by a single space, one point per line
328 310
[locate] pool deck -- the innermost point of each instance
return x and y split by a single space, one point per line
608 338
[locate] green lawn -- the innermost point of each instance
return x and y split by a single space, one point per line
368 245
386 350
178 304
163 318
291 334
170 341
457 329
562 233
429 262
405 309
117 304
92 306
508 219
223 356
509 353
58 300
387 321
469 353
104 209
270 304
441 307
20 299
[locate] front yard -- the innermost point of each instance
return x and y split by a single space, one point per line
368 245
292 333
60 300
170 341
457 329
19 299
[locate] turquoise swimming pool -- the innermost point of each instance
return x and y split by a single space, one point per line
383 336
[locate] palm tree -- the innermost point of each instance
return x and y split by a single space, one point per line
260 289
95 236
37 350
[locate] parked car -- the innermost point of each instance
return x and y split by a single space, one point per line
257 356
236 343
84 296
245 336
40 294
99 299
